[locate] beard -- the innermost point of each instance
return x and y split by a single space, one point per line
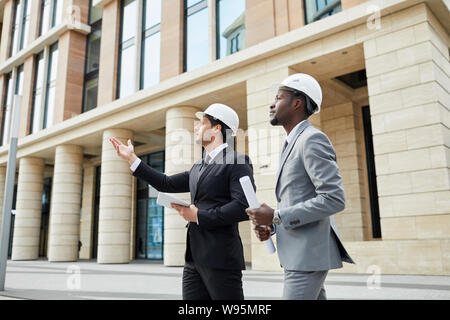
274 121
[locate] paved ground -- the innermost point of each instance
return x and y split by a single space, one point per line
145 280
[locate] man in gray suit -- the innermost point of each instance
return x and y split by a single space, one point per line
308 190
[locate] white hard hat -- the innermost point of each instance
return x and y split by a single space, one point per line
306 84
223 113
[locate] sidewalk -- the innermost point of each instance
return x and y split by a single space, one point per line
150 280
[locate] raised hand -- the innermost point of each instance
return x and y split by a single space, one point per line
126 152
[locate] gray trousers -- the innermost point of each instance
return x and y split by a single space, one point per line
304 285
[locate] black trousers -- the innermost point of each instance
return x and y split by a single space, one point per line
203 283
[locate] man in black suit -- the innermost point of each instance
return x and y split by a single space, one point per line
214 257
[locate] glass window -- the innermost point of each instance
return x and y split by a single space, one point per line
51 15
196 35
37 94
45 17
92 59
151 44
127 62
25 24
51 86
15 39
7 104
230 27
319 9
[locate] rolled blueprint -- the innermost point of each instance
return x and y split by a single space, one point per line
254 204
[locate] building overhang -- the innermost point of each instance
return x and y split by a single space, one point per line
347 28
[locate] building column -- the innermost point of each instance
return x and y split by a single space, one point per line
87 212
2 190
107 79
180 156
265 143
27 98
172 17
341 123
408 75
8 15
27 225
65 204
115 202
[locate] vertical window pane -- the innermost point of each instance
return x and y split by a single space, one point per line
152 13
230 27
51 84
93 51
90 94
15 39
19 81
57 12
45 17
197 40
127 71
6 119
50 107
95 14
37 94
25 23
129 20
151 60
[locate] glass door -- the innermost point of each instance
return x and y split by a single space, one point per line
149 215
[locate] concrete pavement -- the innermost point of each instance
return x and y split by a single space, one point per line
151 280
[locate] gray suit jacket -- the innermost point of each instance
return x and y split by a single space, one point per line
309 191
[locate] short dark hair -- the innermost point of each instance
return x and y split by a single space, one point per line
309 104
224 127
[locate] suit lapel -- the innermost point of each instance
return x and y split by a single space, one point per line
223 156
284 155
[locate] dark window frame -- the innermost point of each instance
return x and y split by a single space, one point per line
89 76
318 14
6 82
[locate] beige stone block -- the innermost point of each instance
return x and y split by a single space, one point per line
409 17
398 228
395 40
433 227
422 257
113 253
113 238
25 253
413 204
442 201
431 180
65 219
445 251
427 136
401 58
412 117
390 142
64 240
394 184
385 102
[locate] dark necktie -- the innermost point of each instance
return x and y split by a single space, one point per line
285 146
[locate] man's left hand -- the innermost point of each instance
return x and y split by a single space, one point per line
261 216
188 213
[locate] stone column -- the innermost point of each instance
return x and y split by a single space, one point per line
65 204
27 225
265 143
341 123
180 156
115 202
2 189
408 75
87 212
8 14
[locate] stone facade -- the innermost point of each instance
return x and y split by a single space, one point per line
403 47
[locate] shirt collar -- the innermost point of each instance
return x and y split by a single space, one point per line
293 133
216 151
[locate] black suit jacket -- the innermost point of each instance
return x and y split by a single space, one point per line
217 193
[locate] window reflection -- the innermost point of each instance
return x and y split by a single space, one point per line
126 76
319 9
151 44
230 27
51 86
196 35
37 94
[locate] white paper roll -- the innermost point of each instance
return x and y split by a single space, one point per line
254 204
